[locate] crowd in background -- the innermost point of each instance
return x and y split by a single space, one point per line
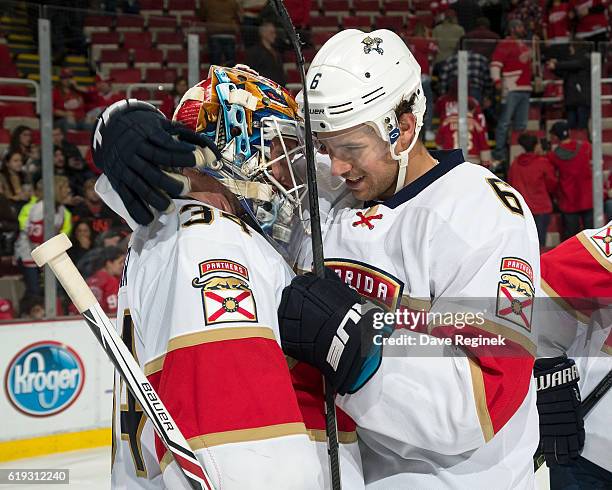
507 63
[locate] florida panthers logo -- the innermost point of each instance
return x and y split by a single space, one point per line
372 44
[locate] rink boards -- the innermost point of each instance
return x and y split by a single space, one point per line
56 389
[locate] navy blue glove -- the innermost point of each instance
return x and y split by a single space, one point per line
561 418
326 324
132 142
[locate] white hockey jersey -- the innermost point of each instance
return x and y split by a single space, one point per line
198 306
577 277
457 251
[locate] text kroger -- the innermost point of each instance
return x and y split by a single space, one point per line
44 378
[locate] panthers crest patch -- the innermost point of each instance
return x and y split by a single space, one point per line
515 292
226 295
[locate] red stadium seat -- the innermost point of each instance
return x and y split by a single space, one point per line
113 57
356 22
78 138
137 40
580 134
130 23
97 23
327 22
151 7
5 136
606 109
320 38
9 71
147 56
176 57
125 76
167 39
606 136
366 6
103 37
392 23
5 54
25 109
161 75
336 6
396 7
293 76
167 23
16 90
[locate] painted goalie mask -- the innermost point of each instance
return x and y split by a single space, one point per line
255 124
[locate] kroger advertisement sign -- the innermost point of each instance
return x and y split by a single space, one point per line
44 378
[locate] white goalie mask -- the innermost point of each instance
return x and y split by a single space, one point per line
360 78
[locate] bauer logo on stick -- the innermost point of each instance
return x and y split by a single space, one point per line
225 298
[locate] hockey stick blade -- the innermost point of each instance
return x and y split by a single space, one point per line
53 253
317 241
587 405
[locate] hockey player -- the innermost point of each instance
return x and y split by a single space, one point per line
433 234
577 279
200 291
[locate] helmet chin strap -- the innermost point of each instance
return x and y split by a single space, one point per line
402 159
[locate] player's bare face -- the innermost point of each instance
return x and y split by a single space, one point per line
363 159
280 168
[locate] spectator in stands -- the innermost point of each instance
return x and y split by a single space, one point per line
572 161
6 310
468 12
222 19
558 15
82 240
264 58
479 76
171 100
13 179
70 151
110 238
529 13
532 174
68 103
99 97
9 225
59 161
592 21
251 11
512 75
104 282
481 39
32 307
575 71
93 210
21 141
447 34
78 173
424 49
31 225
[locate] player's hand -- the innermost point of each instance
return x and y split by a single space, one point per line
131 144
561 418
324 323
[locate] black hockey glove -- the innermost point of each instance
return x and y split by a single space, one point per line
326 324
561 419
132 140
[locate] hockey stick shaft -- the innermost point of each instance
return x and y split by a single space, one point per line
316 238
53 253
587 405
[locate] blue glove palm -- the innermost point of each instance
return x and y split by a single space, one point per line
132 142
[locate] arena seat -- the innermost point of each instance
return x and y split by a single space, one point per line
355 22
392 23
126 23
137 40
112 58
97 23
161 75
167 23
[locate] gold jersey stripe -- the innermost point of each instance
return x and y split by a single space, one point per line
216 335
578 315
415 303
319 435
480 398
593 250
236 436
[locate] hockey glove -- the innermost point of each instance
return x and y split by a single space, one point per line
132 140
561 419
326 324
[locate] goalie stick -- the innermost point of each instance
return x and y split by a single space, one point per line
53 253
317 242
587 404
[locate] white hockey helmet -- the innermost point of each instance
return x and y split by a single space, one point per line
360 78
